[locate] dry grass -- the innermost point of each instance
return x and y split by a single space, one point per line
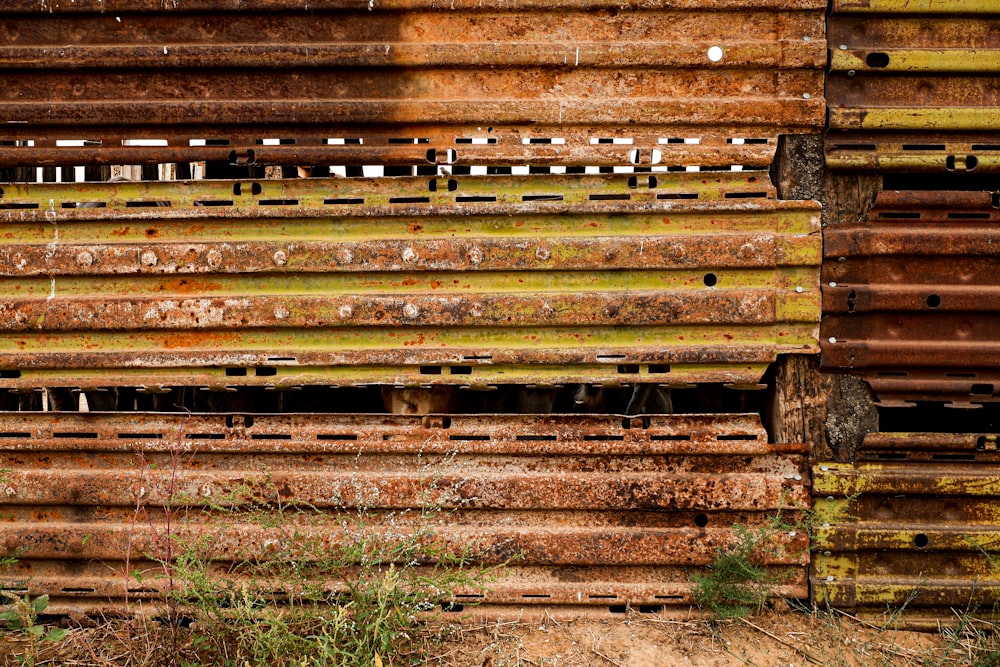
772 639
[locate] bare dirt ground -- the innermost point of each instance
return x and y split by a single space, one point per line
792 638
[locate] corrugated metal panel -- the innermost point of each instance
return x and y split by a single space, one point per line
912 86
911 526
664 277
604 512
910 297
407 81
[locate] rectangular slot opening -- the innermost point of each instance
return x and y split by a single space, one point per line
623 197
469 438
140 436
430 370
146 204
344 437
270 436
409 200
236 372
899 215
472 199
14 434
75 434
537 438
746 195
923 147
677 195
736 437
603 437
953 457
541 198
278 202
265 371
345 200
670 438
205 436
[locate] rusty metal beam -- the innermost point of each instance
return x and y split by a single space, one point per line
405 281
535 83
910 86
603 511
910 298
911 525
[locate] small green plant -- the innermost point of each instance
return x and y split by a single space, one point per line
346 584
21 618
736 584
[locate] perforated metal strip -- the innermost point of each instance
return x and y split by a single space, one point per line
602 512
668 278
421 83
910 527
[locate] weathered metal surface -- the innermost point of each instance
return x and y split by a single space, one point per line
604 511
910 297
912 86
669 277
910 527
401 82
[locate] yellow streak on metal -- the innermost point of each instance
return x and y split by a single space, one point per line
916 118
918 60
917 6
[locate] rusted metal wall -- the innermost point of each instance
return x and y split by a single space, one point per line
664 277
407 82
908 532
677 265
912 86
599 512
910 297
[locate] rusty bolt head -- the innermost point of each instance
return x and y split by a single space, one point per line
84 258
280 257
475 255
409 255
411 311
214 258
280 312
10 491
148 258
345 256
543 253
346 312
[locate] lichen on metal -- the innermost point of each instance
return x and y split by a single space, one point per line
669 278
911 526
602 512
912 86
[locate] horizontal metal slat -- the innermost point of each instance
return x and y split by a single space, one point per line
480 278
576 72
911 297
555 489
910 525
910 88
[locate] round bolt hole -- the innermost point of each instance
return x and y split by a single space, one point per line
920 541
711 279
877 60
701 520
715 54
933 301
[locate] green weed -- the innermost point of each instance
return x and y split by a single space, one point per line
737 584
